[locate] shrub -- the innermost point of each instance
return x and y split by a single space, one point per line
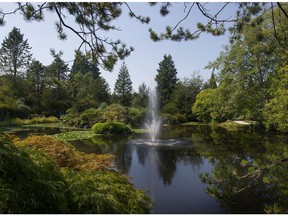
174 119
136 116
111 128
70 118
30 182
105 193
65 156
90 117
114 112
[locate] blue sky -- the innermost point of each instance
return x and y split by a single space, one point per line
143 63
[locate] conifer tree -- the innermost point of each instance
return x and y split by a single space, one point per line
15 54
123 86
166 79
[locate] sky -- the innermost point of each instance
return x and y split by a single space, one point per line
189 57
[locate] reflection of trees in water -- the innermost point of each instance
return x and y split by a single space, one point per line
166 159
123 158
143 154
246 179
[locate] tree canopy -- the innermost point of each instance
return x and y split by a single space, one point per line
91 18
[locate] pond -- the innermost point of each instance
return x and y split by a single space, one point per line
177 168
171 168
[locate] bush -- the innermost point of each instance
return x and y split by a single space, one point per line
136 116
174 119
114 112
105 193
111 128
30 182
90 117
71 118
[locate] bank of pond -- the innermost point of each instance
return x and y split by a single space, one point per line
192 168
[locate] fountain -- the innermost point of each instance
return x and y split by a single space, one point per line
153 125
153 122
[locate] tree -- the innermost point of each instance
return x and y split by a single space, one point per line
166 79
34 80
248 66
184 95
211 83
140 98
15 54
95 17
55 97
87 88
123 86
275 111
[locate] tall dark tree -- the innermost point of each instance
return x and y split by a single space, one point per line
123 86
15 54
211 83
140 98
34 81
55 98
166 79
87 88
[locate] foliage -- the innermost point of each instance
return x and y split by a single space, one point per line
111 127
34 120
140 98
203 107
87 88
123 86
90 117
136 117
30 182
105 193
55 97
114 112
14 53
174 119
66 156
74 135
166 79
275 111
35 85
184 96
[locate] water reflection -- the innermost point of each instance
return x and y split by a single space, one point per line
171 170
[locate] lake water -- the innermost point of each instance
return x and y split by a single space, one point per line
170 168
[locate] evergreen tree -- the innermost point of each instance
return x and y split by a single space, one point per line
55 98
166 79
140 98
34 80
211 83
123 86
15 54
87 88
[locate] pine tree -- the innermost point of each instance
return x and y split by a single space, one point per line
166 79
123 86
211 83
14 54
